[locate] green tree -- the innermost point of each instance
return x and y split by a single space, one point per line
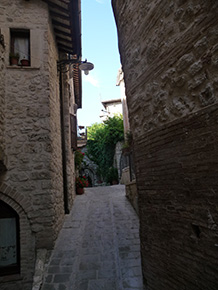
102 139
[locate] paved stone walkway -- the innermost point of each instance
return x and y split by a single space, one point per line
98 247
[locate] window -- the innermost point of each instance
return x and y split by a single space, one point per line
9 240
20 46
73 125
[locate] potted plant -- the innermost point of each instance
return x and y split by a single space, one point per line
81 182
14 58
25 62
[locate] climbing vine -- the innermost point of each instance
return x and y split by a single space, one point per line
102 140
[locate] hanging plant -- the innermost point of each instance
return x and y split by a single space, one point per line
14 58
79 156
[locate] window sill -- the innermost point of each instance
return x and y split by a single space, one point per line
22 67
9 278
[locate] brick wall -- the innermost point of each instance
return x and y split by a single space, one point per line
178 202
169 55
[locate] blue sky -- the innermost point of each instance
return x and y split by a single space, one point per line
99 46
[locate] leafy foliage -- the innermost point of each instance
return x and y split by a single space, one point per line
79 156
102 139
112 175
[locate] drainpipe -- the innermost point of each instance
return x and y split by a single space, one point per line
64 163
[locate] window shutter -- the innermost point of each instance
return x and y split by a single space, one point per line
73 125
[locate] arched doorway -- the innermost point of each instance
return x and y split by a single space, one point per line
9 240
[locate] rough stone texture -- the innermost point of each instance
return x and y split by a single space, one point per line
172 61
169 53
39 269
2 102
33 181
90 169
132 194
117 157
69 108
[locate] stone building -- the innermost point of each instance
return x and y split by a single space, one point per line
111 108
39 97
126 160
120 82
169 55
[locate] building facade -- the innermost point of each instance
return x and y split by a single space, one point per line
127 161
39 96
111 108
120 82
169 54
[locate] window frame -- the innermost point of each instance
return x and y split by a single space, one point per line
20 33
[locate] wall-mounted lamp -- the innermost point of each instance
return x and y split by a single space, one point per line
105 111
86 66
83 65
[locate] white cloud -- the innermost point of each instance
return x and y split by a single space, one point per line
100 1
93 81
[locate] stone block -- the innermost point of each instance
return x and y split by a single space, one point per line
184 62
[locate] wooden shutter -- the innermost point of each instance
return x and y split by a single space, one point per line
73 125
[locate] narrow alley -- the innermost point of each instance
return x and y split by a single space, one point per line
98 246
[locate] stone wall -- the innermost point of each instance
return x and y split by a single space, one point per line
28 94
117 157
69 108
169 53
132 194
54 184
2 101
32 134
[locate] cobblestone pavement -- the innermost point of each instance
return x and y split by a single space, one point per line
98 246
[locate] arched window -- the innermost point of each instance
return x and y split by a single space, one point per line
9 240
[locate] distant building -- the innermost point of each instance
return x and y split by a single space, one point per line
81 137
111 108
121 84
126 164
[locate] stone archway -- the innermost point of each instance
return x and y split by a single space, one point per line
9 240
19 204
